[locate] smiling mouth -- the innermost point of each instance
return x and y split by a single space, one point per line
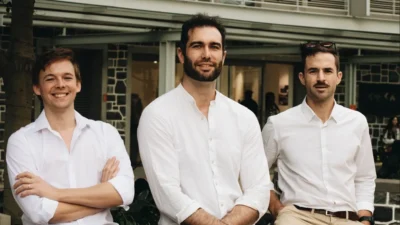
60 95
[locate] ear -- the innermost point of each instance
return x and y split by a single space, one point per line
223 57
180 55
79 86
36 89
301 78
340 75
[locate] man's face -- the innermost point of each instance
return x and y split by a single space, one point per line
58 85
204 55
320 77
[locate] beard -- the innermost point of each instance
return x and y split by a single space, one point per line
190 70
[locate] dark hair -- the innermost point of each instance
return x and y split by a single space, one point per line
200 20
52 56
391 133
307 51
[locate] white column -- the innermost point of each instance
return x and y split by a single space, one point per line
350 84
166 75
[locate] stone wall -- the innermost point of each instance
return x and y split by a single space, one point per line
386 73
4 43
387 202
116 86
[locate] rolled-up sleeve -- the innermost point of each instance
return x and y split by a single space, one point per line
254 173
366 174
20 159
124 182
161 164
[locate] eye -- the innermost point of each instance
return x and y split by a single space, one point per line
68 78
313 71
49 79
196 46
215 47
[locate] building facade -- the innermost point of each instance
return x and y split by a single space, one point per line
127 52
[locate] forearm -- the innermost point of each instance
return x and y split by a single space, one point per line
201 217
241 215
274 203
101 195
66 212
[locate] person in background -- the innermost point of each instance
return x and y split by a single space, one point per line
271 108
249 103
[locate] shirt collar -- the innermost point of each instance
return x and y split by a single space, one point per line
309 113
190 98
42 123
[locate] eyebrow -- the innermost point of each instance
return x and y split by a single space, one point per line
202 43
316 68
50 74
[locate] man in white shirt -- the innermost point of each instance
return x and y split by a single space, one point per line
325 161
202 152
64 168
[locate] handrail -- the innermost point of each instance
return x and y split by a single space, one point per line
332 7
385 7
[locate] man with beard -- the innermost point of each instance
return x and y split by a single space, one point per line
325 161
202 152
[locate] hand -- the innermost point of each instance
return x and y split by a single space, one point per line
276 209
30 184
110 170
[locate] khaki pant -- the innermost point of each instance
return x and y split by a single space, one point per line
290 215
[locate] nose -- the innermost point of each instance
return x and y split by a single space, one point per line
206 52
60 83
321 75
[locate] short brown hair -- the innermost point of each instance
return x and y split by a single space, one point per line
52 56
307 51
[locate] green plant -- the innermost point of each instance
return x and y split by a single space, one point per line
142 211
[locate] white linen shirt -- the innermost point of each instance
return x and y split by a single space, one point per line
192 162
322 165
38 149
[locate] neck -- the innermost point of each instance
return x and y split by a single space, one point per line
60 120
202 92
322 109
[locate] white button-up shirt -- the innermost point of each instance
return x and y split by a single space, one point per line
322 165
193 162
39 149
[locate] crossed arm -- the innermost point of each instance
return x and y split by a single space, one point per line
73 204
43 203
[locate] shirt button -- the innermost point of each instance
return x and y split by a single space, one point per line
221 204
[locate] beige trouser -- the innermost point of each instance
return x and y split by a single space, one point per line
290 215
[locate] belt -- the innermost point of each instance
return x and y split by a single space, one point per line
341 214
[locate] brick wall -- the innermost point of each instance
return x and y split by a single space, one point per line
116 86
